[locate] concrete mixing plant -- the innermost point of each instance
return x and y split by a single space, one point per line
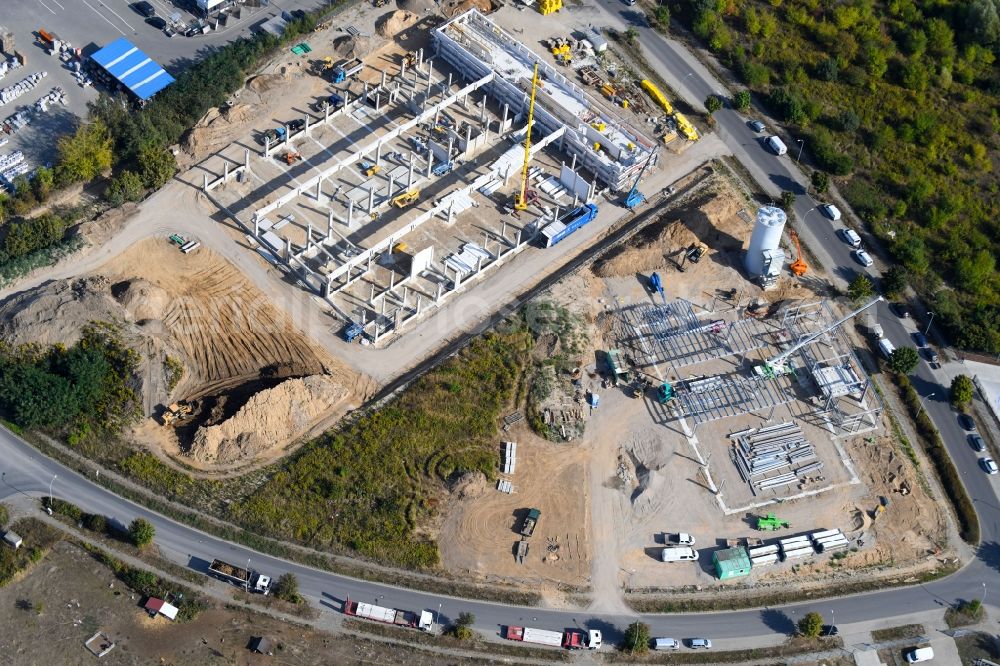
765 258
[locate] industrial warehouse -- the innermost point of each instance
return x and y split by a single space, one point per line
413 185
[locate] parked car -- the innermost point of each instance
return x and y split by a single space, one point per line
699 643
917 655
679 538
862 258
977 443
966 422
776 145
920 339
830 211
757 126
932 356
901 310
666 644
989 465
850 236
144 8
296 125
156 22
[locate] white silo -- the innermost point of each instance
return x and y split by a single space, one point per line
765 241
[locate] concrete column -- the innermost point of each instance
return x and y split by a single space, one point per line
482 110
378 153
503 123
398 316
518 240
437 299
437 113
409 180
444 93
287 137
451 143
451 211
503 230
576 200
370 257
402 71
307 124
350 213
246 159
573 164
486 133
430 162
375 330
327 287
319 190
392 186
392 276
256 225
479 265
326 114
458 280
383 78
468 138
288 249
225 172
593 191
329 226
406 293
427 93
419 303
378 101
309 236
366 89
267 146
205 186
347 98
420 56
371 299
371 199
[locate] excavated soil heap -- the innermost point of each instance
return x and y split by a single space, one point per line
279 414
394 23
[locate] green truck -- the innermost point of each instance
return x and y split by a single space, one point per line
619 370
530 521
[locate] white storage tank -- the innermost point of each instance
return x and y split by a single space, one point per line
766 238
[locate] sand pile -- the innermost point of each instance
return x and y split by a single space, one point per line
143 300
395 22
347 46
55 313
455 7
270 417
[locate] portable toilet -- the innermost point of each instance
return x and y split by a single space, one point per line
731 562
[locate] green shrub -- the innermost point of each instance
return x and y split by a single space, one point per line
141 532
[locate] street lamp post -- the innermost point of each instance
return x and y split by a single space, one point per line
437 618
833 622
926 330
929 395
982 602
50 491
802 144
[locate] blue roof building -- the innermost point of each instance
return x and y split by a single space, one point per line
133 69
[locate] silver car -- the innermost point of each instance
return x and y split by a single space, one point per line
863 258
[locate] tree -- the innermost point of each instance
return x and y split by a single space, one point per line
811 625
741 100
41 183
156 166
787 200
127 186
820 181
661 17
631 36
861 288
141 532
903 360
961 391
95 522
894 280
85 154
713 103
461 629
287 588
637 637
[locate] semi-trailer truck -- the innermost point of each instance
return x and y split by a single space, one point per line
400 618
571 639
245 578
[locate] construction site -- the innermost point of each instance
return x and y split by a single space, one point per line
429 176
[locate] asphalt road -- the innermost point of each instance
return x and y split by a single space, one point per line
26 471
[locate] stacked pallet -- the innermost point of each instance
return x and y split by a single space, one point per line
829 541
795 547
763 555
775 456
28 83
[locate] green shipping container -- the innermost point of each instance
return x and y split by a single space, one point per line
731 562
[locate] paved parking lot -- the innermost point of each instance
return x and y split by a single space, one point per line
90 25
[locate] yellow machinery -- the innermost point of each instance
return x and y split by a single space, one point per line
520 199
176 412
799 266
291 157
685 127
369 168
410 59
400 248
657 96
405 199
546 7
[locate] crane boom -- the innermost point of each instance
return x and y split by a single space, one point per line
783 356
521 199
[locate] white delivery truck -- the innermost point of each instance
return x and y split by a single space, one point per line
777 145
885 347
678 554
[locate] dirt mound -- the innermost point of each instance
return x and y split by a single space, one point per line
238 113
144 301
269 418
55 313
417 6
455 7
395 22
265 82
355 47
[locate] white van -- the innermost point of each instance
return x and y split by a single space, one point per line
666 644
917 655
777 145
679 554
851 237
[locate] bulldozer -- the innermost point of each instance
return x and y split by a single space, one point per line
320 67
405 199
177 411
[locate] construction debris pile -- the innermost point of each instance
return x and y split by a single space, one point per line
758 453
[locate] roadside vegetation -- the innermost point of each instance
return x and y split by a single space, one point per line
897 633
82 392
38 538
372 485
897 100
